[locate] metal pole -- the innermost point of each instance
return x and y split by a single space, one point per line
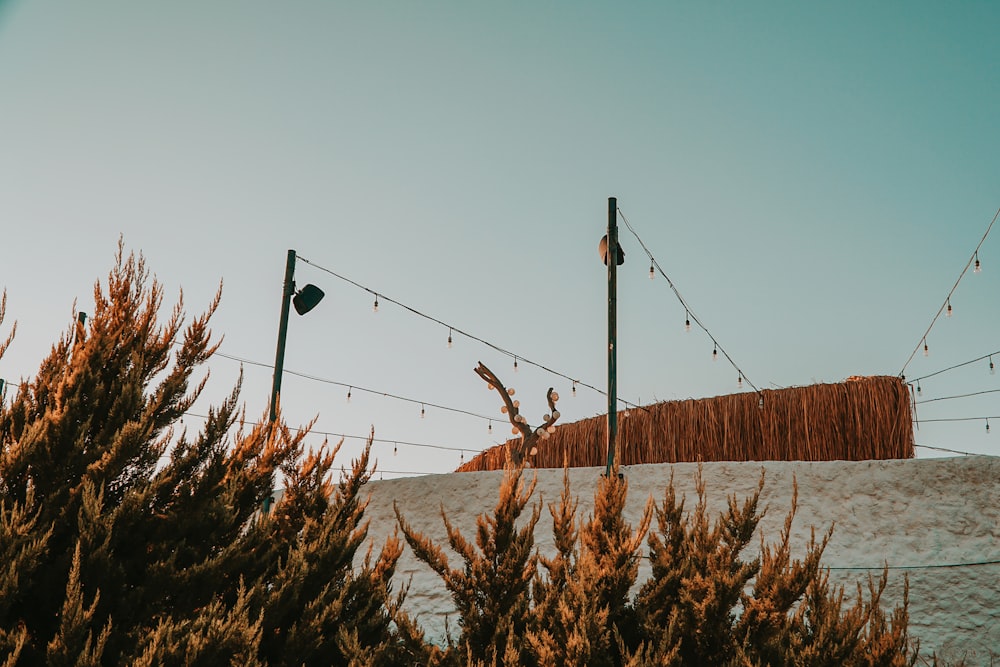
612 331
279 357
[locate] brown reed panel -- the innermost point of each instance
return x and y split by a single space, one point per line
859 419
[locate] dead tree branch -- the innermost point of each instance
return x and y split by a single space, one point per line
511 407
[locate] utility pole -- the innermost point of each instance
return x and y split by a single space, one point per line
612 262
279 357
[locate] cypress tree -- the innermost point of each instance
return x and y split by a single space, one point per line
492 588
124 538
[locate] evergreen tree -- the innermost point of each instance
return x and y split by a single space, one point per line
492 589
126 539
569 623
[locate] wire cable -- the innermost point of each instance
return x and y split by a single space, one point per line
948 398
951 368
357 387
952 451
973 257
345 436
684 303
458 330
929 566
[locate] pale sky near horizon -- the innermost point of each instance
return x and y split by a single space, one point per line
812 178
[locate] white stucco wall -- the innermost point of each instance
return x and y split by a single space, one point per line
916 515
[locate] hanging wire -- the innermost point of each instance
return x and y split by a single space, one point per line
974 257
354 387
948 398
687 308
951 368
516 357
347 436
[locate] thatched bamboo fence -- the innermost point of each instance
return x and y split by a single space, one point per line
860 419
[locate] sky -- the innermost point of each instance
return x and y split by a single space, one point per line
813 178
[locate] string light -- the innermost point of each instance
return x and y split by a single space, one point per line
461 459
375 305
739 381
467 334
395 448
489 429
993 370
349 394
449 338
515 364
689 315
946 306
423 412
919 390
652 273
715 353
574 381
987 425
927 351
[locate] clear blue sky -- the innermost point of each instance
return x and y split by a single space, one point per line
813 179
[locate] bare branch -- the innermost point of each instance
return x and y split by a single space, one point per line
529 436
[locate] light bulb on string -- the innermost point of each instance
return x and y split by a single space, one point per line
375 305
947 312
349 394
515 364
739 381
574 387
987 425
715 352
489 429
652 273
449 338
927 351
461 459
993 370
395 449
687 321
423 412
977 268
920 392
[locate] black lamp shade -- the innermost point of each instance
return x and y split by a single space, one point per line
307 298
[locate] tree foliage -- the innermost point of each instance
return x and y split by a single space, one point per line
125 539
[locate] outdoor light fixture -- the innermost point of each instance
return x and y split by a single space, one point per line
307 298
602 249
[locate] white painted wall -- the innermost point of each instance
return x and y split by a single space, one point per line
910 514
